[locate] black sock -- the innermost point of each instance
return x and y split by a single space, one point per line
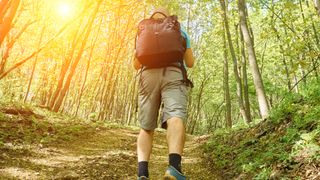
143 169
175 161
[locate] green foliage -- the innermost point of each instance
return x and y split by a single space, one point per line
263 174
290 136
307 147
286 109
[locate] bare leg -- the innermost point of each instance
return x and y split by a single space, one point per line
175 135
144 145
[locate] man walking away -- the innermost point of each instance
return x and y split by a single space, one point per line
162 52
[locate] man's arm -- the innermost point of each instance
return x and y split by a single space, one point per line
188 55
188 58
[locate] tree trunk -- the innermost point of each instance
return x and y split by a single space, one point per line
226 85
64 68
108 100
262 100
87 69
65 88
307 34
198 105
9 46
4 4
235 62
315 32
245 79
317 6
108 75
34 66
6 18
133 101
295 79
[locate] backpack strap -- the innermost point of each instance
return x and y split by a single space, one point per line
184 74
157 13
185 80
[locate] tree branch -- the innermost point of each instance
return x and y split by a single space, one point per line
41 48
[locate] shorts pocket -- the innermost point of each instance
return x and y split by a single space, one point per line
142 86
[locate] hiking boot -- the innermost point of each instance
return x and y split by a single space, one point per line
143 178
173 174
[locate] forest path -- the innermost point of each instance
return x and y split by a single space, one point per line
105 154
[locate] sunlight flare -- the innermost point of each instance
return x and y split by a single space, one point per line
65 10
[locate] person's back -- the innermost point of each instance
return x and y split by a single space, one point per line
162 13
169 85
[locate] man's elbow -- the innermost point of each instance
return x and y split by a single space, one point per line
189 59
136 67
190 64
136 64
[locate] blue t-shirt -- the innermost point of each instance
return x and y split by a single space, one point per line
186 36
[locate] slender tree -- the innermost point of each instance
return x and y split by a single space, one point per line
34 65
87 70
235 62
73 67
245 78
257 79
8 10
282 50
317 6
226 83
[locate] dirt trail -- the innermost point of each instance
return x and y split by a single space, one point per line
107 154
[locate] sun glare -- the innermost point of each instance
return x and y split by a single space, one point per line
65 10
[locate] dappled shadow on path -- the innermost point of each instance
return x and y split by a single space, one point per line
106 154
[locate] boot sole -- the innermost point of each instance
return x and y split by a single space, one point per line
168 177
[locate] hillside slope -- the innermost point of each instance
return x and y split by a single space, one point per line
285 146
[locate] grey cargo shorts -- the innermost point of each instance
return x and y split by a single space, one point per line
161 85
